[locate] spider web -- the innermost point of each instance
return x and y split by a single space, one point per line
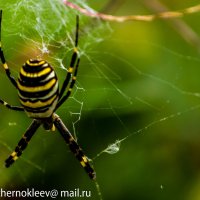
136 118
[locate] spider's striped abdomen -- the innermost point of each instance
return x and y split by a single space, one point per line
38 88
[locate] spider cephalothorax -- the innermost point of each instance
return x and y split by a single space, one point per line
40 97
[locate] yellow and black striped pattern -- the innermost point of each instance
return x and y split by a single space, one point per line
38 88
40 97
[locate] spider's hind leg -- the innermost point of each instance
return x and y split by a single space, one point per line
70 79
16 108
3 60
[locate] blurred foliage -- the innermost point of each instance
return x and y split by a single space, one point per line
137 79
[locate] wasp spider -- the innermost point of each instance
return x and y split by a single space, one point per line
40 97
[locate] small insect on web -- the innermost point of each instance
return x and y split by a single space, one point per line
40 97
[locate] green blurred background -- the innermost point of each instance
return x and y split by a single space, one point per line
136 79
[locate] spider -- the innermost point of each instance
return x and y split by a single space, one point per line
40 97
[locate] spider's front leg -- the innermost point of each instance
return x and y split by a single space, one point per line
74 147
23 142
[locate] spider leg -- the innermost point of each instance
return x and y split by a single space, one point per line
3 60
72 83
17 108
74 147
72 63
23 142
